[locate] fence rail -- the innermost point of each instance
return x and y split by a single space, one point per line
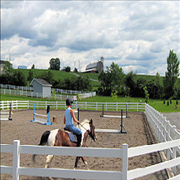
43 95
28 91
164 131
123 154
27 88
97 106
167 135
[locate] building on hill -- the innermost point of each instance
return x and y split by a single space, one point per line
41 86
96 67
22 67
2 63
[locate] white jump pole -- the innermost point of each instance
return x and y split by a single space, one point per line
34 116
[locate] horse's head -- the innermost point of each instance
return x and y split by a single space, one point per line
92 132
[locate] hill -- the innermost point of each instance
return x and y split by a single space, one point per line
62 75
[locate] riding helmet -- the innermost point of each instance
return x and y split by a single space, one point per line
68 102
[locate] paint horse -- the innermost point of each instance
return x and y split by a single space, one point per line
58 137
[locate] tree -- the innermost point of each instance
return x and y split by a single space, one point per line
86 83
33 66
140 83
30 75
67 83
67 69
171 75
130 82
54 64
18 79
112 80
7 68
47 76
117 77
177 90
146 94
155 87
7 73
75 70
114 95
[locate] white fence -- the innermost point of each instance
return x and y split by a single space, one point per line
123 154
8 86
164 131
28 91
27 88
41 95
167 135
108 106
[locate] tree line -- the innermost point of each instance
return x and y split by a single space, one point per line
114 81
18 78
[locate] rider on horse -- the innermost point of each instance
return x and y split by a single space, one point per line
68 121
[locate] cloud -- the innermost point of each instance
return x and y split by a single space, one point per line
135 35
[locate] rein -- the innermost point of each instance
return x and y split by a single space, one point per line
89 132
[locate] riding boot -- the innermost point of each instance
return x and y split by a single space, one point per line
79 136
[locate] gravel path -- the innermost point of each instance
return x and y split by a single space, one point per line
174 119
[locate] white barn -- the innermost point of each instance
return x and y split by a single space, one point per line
41 86
96 67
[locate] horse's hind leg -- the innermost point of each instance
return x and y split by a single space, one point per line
49 159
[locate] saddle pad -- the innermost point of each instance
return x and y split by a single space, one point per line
72 137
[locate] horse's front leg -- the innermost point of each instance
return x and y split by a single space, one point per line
85 162
76 162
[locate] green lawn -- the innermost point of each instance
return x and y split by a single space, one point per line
58 74
157 104
6 97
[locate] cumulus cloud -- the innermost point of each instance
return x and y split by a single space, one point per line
136 35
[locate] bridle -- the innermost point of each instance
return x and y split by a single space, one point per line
89 132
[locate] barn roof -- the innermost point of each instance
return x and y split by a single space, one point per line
41 81
93 65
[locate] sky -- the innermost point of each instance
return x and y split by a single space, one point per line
136 35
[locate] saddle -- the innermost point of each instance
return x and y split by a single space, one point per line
72 136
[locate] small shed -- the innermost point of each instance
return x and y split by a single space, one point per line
42 87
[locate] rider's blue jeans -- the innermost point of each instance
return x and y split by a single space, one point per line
74 129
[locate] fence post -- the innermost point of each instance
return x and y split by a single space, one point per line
16 104
168 133
85 105
28 104
137 107
16 159
124 161
45 104
2 104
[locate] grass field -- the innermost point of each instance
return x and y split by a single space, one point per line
157 104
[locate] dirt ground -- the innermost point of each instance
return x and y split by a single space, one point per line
20 128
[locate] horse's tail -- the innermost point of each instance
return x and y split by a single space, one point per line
43 141
44 138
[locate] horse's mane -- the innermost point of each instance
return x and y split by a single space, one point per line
85 122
